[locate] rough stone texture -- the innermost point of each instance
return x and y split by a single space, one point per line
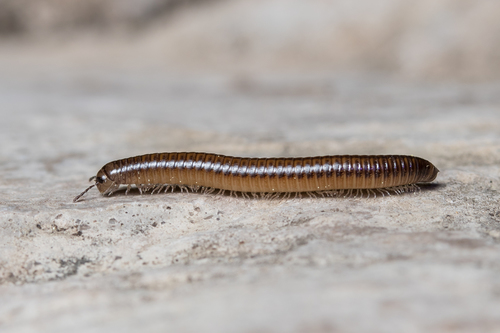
191 262
205 263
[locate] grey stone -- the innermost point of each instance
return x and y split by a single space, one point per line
192 262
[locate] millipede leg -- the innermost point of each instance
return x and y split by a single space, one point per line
275 195
111 189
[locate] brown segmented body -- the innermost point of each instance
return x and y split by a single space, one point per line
264 175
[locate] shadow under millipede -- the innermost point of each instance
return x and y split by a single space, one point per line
343 194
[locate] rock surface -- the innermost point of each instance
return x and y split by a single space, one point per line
191 262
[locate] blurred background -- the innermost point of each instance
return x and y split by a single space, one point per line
103 79
425 40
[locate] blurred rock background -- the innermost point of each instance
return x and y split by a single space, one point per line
428 39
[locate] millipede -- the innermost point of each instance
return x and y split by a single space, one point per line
265 177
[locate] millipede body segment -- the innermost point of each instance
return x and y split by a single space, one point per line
263 175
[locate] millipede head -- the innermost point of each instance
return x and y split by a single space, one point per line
102 182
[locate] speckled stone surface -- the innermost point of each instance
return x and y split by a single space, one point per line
205 263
